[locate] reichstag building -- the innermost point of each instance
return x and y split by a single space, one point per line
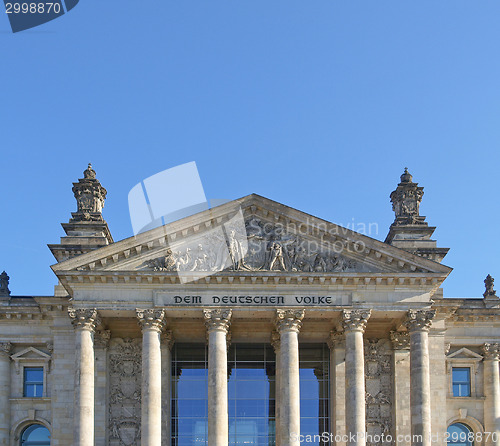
250 323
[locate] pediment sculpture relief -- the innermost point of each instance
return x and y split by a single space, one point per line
264 247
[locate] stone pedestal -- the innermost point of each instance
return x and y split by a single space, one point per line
492 393
5 349
84 322
275 342
354 324
288 324
217 322
418 323
152 323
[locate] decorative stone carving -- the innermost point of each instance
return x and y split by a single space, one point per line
269 248
419 319
378 398
447 347
5 348
289 319
101 338
90 196
406 201
335 338
491 351
355 320
84 318
4 284
275 341
400 340
489 283
125 371
167 339
217 319
151 319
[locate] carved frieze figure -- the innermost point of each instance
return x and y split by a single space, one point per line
265 247
4 284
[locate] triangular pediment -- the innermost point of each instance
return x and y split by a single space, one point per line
251 236
465 353
30 353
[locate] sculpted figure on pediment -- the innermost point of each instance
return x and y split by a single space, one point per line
264 247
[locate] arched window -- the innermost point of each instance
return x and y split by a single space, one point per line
35 435
460 434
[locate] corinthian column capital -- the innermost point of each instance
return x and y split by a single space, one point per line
355 320
419 320
84 318
289 320
5 349
217 319
400 340
491 351
151 319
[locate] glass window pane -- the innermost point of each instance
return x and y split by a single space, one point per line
35 435
461 381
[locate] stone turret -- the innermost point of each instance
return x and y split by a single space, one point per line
410 231
86 229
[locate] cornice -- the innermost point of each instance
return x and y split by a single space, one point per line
359 281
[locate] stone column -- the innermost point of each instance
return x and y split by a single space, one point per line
418 323
288 324
492 392
152 322
337 385
217 322
166 360
84 321
5 349
401 387
354 324
275 342
101 343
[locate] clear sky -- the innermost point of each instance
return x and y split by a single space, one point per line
317 104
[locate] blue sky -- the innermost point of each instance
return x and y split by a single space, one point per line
316 104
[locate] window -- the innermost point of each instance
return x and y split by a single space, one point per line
461 381
460 434
35 435
33 382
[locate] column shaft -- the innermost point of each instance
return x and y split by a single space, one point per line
217 322
337 386
275 341
84 321
418 323
152 323
492 393
166 359
5 349
288 323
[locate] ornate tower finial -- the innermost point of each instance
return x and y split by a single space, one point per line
4 284
90 196
489 283
406 201
409 230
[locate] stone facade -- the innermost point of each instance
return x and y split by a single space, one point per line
249 271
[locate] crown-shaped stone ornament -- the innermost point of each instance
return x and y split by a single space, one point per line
4 285
90 196
406 201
